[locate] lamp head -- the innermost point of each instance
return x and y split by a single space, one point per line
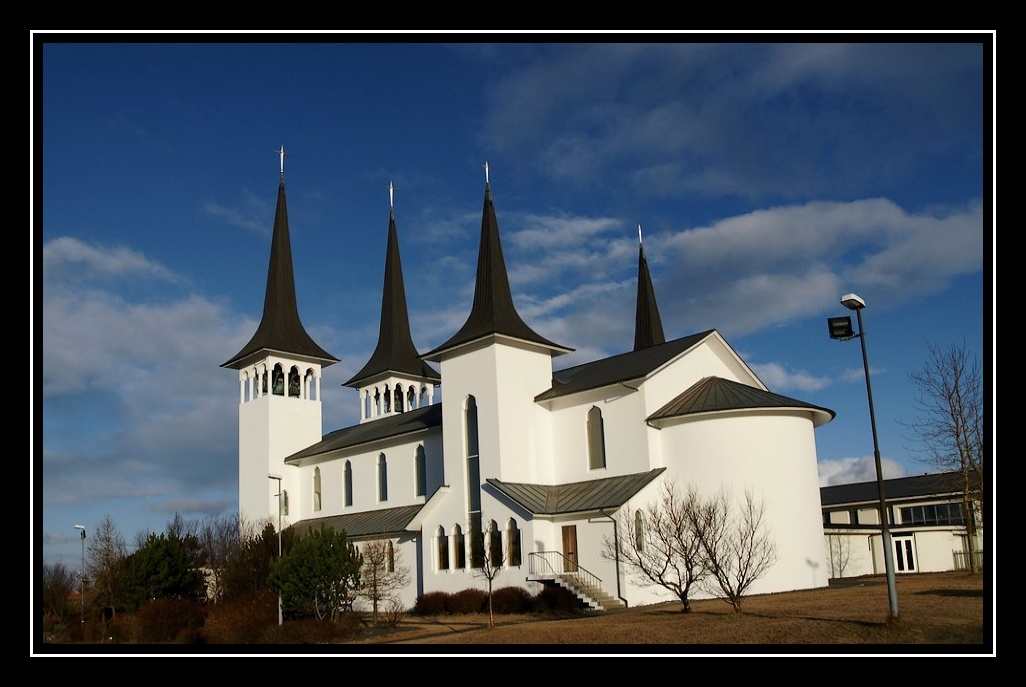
271 475
852 301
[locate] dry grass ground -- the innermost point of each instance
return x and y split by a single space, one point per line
935 610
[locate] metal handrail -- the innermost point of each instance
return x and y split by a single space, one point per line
555 564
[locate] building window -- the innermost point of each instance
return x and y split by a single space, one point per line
366 404
382 477
284 502
411 397
512 543
294 385
639 531
442 548
398 398
494 544
317 489
278 381
596 440
935 514
389 557
420 472
388 399
460 547
347 491
473 484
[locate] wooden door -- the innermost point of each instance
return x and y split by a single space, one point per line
570 548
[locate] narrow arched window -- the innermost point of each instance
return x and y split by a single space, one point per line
442 548
278 380
387 396
494 545
284 502
317 489
389 557
512 543
366 404
347 476
382 477
473 484
460 547
263 384
411 397
420 472
596 440
294 385
398 398
639 531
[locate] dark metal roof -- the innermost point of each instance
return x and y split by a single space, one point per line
937 484
395 351
578 497
618 368
390 427
493 312
648 327
280 328
387 522
715 394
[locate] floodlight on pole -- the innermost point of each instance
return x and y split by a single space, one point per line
274 476
81 530
840 328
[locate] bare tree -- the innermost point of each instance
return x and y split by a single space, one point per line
58 583
950 425
659 545
107 556
838 553
382 574
736 544
492 560
220 539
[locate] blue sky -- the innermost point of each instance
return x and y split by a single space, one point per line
769 177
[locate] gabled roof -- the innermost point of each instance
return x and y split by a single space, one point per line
577 497
395 351
388 427
618 368
280 329
493 312
387 522
718 395
937 484
648 326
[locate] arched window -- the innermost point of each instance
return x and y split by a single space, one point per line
284 502
377 401
366 404
278 380
398 405
347 477
512 543
294 382
411 397
388 399
442 548
263 385
382 477
494 545
460 547
596 440
420 472
317 489
473 484
389 557
639 531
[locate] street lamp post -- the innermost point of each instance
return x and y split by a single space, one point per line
271 475
81 530
840 328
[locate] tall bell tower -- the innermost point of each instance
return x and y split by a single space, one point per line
279 387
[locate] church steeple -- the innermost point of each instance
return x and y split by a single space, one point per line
648 328
493 313
395 352
280 328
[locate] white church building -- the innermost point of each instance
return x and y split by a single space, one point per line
538 462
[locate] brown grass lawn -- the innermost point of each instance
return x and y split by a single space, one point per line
936 610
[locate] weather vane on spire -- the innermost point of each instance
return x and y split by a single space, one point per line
281 160
486 171
391 202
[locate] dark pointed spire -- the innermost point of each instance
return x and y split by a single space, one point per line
395 351
648 328
493 312
280 329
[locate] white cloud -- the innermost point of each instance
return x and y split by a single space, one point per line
856 469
